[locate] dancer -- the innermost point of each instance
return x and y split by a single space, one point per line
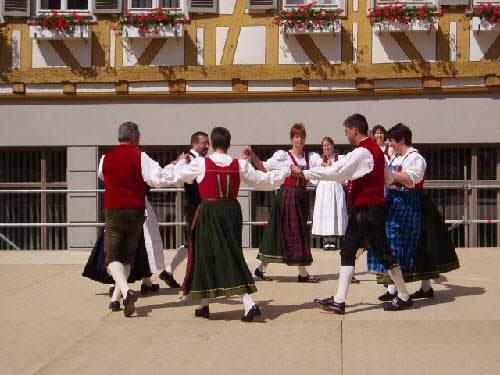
330 212
125 170
199 148
216 266
380 136
403 226
287 237
365 169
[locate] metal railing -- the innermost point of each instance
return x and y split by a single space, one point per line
466 186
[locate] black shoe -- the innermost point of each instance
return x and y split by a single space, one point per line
398 304
111 290
204 312
421 294
114 306
387 296
169 279
354 280
129 303
329 304
145 289
252 313
307 279
261 275
324 300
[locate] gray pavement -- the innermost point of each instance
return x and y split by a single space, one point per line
56 322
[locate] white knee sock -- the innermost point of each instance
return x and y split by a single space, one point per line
117 271
116 294
391 288
204 302
147 281
345 277
303 271
248 302
180 255
397 278
262 267
425 285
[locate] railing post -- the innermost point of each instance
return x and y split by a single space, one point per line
466 208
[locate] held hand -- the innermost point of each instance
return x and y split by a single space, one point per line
248 152
296 171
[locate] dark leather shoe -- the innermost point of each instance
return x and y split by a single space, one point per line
169 279
204 312
421 294
111 290
261 275
387 296
307 279
324 300
145 289
114 306
129 303
329 304
354 280
398 304
252 313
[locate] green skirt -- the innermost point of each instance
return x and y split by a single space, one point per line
287 236
219 267
435 252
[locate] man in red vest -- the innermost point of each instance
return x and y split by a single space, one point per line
365 170
125 171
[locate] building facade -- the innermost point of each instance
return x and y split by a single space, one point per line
233 63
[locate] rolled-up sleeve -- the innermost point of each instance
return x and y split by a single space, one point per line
262 180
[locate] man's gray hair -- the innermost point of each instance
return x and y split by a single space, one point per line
128 131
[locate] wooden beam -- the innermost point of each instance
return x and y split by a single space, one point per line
347 45
364 84
240 86
65 54
300 85
178 86
121 87
151 51
493 52
311 49
272 44
431 83
230 46
443 43
407 46
190 48
5 48
100 44
69 89
18 88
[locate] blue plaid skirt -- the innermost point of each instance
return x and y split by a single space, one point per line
402 228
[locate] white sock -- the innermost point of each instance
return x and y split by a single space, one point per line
116 294
262 267
117 271
248 302
204 302
391 288
180 255
303 271
397 278
147 281
425 285
345 277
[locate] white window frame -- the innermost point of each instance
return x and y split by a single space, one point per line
64 8
336 5
155 4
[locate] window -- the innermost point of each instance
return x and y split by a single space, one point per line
142 5
64 6
414 3
317 3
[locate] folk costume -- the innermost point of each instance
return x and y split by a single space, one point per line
216 265
364 167
286 237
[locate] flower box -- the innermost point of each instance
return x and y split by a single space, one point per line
39 32
481 24
332 28
414 25
160 31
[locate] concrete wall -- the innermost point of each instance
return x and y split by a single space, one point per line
434 119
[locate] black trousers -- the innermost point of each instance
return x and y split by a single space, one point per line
189 213
366 225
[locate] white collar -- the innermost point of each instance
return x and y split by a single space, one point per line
192 151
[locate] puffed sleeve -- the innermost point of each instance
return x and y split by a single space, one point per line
414 165
270 180
315 160
100 175
279 160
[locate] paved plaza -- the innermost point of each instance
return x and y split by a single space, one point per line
56 322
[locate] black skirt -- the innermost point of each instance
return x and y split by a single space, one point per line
96 270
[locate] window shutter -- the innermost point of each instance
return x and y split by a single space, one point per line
262 4
16 8
203 6
107 6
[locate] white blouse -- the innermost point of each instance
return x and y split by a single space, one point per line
412 163
282 160
187 172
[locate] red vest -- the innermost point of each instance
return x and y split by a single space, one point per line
220 182
294 181
124 184
369 189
